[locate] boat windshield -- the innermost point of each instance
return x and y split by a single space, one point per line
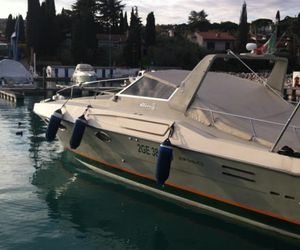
151 88
84 67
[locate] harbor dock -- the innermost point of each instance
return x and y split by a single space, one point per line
12 96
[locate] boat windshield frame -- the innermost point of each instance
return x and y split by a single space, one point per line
122 93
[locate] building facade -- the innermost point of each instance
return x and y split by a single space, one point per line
214 41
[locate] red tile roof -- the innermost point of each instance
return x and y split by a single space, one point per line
216 35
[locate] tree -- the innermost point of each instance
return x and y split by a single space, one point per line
33 24
277 16
121 24
243 29
50 28
42 29
168 49
197 16
125 22
295 28
225 26
10 27
132 49
43 32
108 13
198 21
84 42
261 29
64 23
84 7
21 29
150 32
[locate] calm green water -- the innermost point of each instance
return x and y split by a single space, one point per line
47 202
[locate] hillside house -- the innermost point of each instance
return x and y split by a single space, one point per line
214 41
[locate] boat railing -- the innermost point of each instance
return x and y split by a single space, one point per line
105 84
283 131
252 122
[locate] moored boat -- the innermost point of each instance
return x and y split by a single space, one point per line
205 138
84 73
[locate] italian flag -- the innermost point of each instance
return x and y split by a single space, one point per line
270 46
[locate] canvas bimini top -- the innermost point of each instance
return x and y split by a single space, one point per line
241 107
245 109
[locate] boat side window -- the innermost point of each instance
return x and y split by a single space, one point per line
147 87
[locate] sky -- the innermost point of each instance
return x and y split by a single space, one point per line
177 11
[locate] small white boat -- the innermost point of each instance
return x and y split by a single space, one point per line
14 74
84 73
205 138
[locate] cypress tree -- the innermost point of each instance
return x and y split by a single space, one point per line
21 29
243 29
125 22
84 42
277 18
64 24
150 32
295 29
132 49
29 25
10 26
50 5
121 25
78 49
43 32
33 24
50 28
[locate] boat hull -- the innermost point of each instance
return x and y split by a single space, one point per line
248 193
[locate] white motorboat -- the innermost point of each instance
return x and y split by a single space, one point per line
84 73
204 138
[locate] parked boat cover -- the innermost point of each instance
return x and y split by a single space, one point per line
14 72
234 100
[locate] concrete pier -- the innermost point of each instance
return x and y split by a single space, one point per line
11 96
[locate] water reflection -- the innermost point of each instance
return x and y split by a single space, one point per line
118 216
86 211
40 150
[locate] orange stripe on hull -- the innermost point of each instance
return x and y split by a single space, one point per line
188 189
